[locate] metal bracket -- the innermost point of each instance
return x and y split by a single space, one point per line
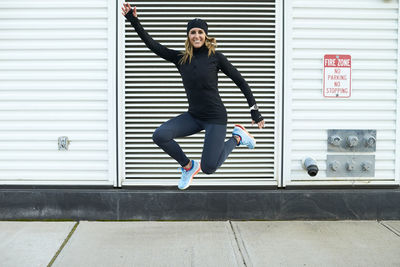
63 143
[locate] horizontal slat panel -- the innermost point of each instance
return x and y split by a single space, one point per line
343 24
49 135
52 75
350 117
329 5
360 85
73 115
53 44
345 106
346 35
28 54
50 156
258 34
190 4
50 96
53 34
43 4
216 175
143 163
323 124
234 55
52 65
49 176
319 135
340 13
75 145
228 47
149 129
51 12
210 17
58 166
193 155
53 105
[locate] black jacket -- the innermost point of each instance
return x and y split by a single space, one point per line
200 77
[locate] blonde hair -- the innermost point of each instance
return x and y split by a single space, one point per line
210 43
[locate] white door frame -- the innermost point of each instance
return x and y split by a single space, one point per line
165 182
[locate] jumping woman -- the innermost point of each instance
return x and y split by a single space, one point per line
199 65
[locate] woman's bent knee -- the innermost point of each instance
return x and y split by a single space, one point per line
208 169
160 136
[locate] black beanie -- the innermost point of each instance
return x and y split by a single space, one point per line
197 23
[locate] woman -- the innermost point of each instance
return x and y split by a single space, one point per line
198 66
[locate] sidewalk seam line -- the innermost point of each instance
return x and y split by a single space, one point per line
63 244
394 231
237 243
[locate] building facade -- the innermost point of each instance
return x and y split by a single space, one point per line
81 95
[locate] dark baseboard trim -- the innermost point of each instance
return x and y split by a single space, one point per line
199 204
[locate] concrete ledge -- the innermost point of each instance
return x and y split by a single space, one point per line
127 204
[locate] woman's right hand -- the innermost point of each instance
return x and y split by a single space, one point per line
126 8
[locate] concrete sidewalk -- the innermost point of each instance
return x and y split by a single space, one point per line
200 243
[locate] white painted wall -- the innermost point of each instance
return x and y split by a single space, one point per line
369 32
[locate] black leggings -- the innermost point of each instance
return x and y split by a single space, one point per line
215 149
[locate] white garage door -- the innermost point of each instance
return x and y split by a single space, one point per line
57 78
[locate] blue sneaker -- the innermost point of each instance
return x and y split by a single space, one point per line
187 176
245 137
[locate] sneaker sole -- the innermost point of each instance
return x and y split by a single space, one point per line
191 178
241 127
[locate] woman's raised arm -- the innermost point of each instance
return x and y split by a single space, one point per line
162 51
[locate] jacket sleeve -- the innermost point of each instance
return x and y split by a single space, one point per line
162 51
230 71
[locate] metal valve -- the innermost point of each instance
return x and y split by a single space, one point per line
370 141
310 165
335 140
350 165
366 165
335 165
352 140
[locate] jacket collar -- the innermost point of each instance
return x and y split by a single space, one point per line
200 49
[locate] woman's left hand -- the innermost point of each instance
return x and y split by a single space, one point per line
260 124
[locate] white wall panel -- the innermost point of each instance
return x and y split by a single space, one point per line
57 78
246 33
369 32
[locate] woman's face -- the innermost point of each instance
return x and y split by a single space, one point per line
197 37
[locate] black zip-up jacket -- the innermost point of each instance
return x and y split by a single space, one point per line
200 77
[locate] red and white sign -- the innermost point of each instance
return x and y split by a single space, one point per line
337 76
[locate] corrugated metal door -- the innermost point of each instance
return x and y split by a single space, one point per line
369 32
246 34
57 78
